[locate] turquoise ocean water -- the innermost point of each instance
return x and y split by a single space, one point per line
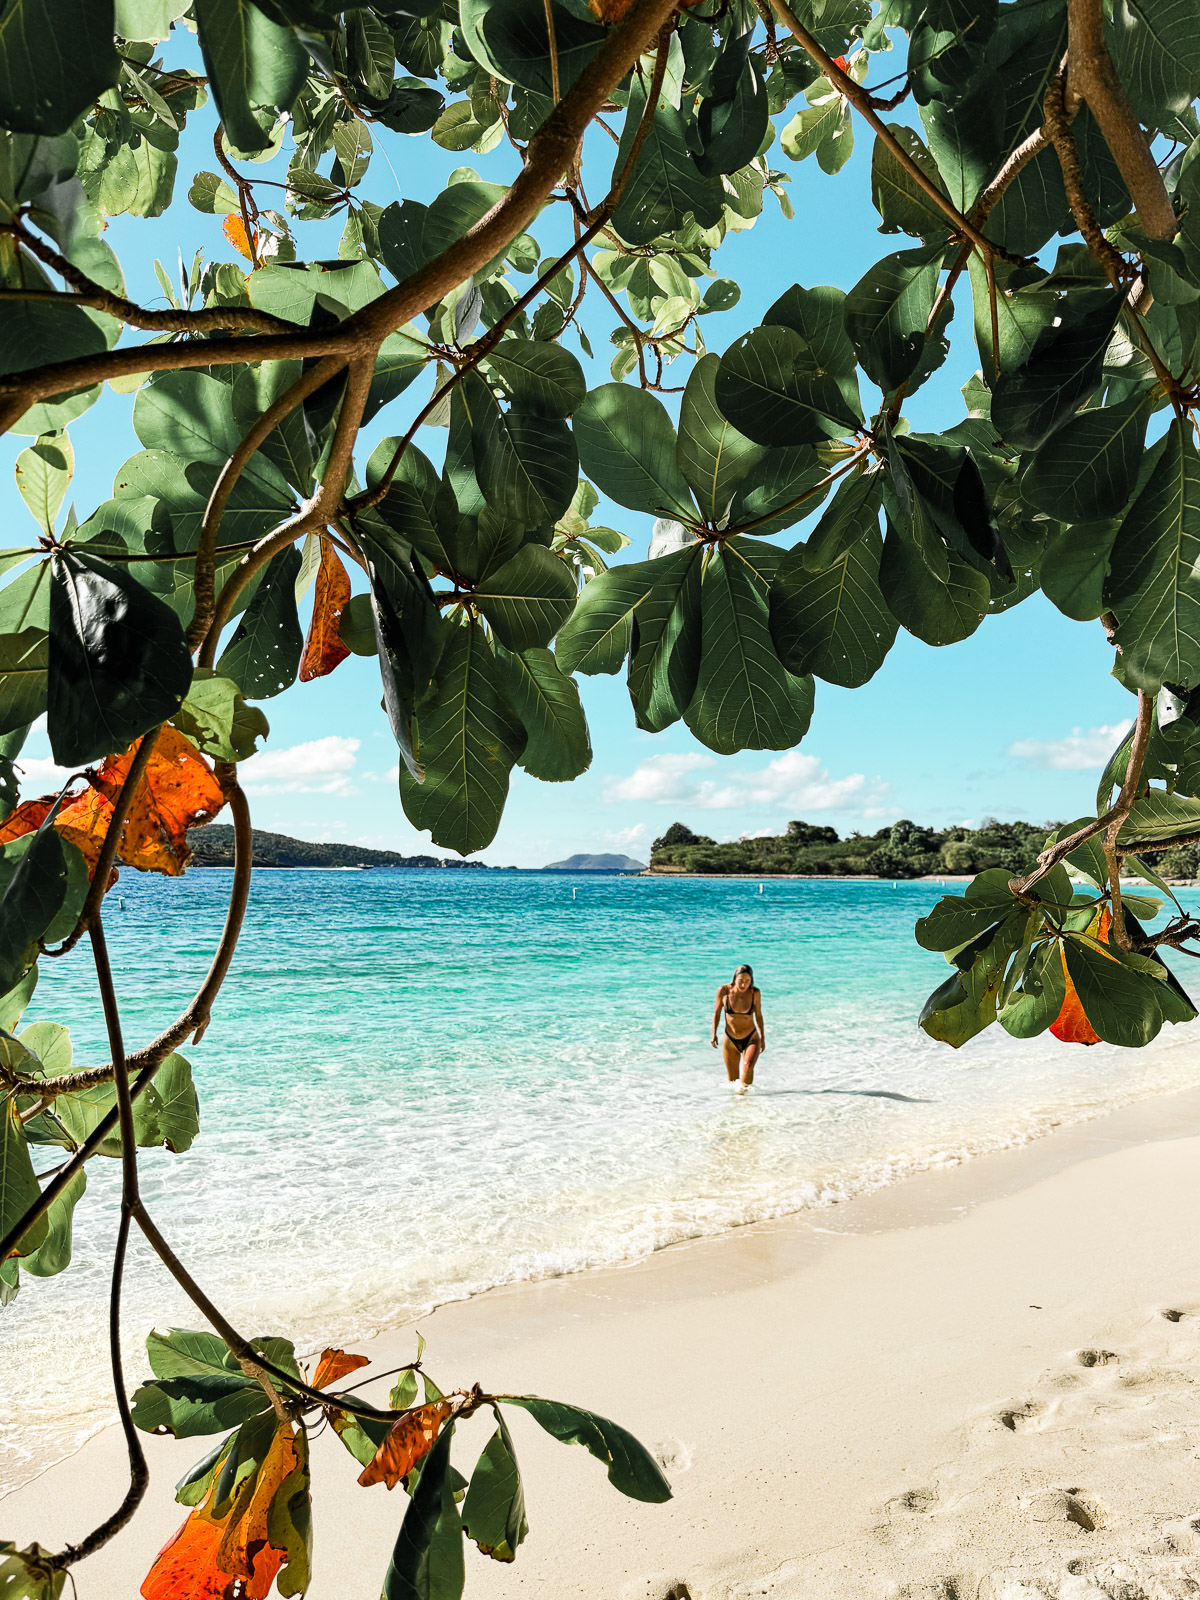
418 1085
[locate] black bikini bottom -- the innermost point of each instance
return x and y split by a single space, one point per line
741 1045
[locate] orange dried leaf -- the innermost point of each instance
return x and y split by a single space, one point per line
323 649
234 230
84 821
335 1364
186 1568
406 1445
245 1551
1071 1025
27 816
177 791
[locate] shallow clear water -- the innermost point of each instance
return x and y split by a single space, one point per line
421 1084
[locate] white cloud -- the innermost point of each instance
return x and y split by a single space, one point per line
792 782
40 775
320 766
626 836
1077 752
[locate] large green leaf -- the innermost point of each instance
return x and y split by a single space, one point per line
525 463
1035 1003
409 632
263 657
1120 1002
1157 817
56 58
627 447
1062 373
255 67
833 623
665 642
771 386
713 456
733 116
902 204
1088 468
493 1513
818 315
528 599
887 312
53 1255
1154 573
557 746
118 661
24 660
197 1404
545 379
937 610
196 418
631 1467
18 1185
467 738
745 698
511 40
1156 49
666 186
853 512
427 1561
216 718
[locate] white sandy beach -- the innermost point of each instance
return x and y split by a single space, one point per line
979 1383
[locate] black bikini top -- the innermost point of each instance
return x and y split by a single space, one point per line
730 1012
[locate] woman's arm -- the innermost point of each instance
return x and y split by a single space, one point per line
762 1032
717 1003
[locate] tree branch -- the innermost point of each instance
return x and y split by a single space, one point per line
861 101
1092 78
1058 130
206 549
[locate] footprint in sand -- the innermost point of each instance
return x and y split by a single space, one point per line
1096 1358
912 1501
1064 1505
1019 1418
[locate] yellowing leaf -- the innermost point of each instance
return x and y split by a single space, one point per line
406 1445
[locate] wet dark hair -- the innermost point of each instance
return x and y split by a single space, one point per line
738 972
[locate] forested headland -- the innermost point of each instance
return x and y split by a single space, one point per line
901 850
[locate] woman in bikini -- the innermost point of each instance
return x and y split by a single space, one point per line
745 1036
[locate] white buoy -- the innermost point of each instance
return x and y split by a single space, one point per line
760 888
574 892
893 886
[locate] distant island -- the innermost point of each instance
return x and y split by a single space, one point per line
902 850
213 847
600 863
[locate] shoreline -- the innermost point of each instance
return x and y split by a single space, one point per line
691 1345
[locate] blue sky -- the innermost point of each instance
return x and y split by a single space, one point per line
1014 722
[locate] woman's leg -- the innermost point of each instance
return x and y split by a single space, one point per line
748 1060
733 1058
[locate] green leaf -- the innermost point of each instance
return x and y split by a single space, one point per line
712 455
467 738
18 1185
1154 574
255 68
546 700
1119 1002
56 58
528 599
409 632
1155 818
118 662
545 379
213 195
15 1000
789 483
1089 466
887 313
197 1404
53 1255
168 1112
454 212
631 1467
217 719
665 642
745 698
493 1513
196 417
1062 373
24 660
935 609
1157 54
833 623
510 41
902 204
185 1353
43 473
525 464
1035 1003
37 885
263 657
732 119
818 315
666 186
852 514
771 385
627 446
427 1561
